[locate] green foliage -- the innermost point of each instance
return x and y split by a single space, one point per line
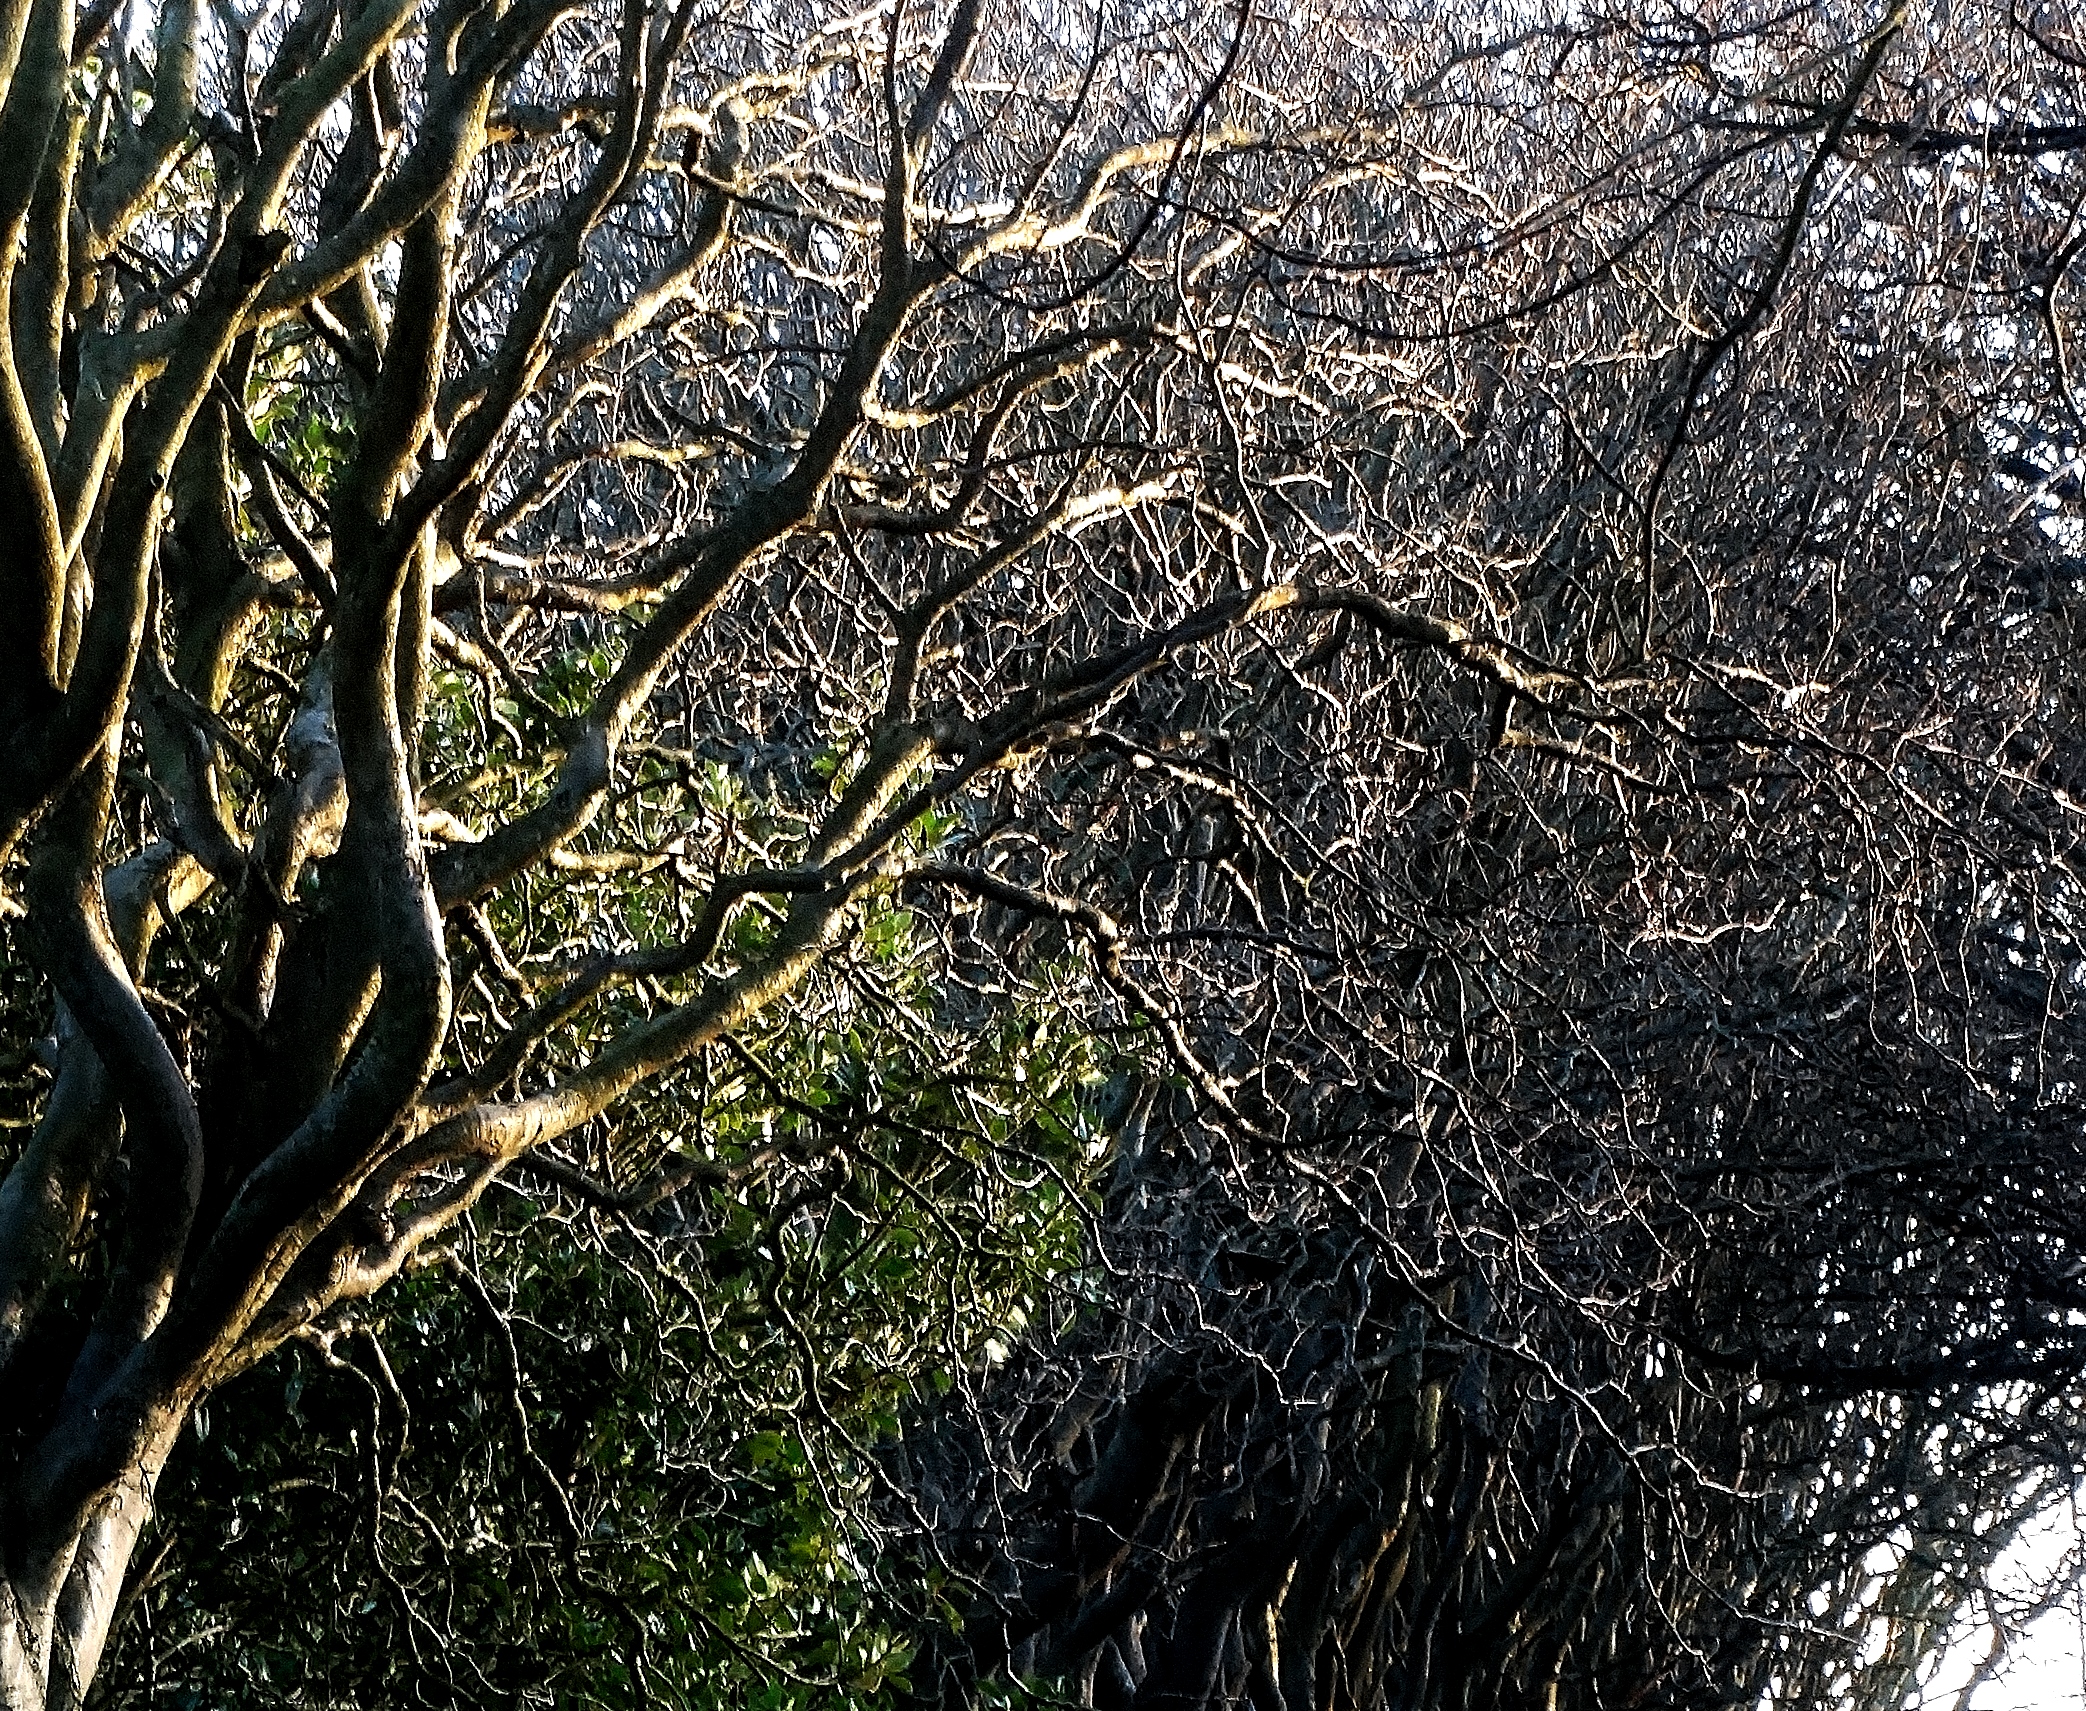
587 1458
304 426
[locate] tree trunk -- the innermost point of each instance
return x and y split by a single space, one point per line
61 1600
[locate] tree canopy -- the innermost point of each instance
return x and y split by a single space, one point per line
1139 854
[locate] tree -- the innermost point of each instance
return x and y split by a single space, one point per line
1651 1285
310 318
576 548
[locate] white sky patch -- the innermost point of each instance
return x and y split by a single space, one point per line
2044 1666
